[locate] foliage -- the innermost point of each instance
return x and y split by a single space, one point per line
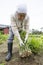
22 34
3 38
2 64
36 32
1 32
34 42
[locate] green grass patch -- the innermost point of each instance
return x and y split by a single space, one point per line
2 64
3 38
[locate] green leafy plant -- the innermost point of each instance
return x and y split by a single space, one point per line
3 38
35 44
22 34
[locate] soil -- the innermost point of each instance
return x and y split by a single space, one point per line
16 60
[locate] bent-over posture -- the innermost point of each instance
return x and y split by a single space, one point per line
19 21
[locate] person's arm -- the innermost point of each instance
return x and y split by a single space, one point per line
15 30
27 29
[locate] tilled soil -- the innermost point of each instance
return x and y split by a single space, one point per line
16 60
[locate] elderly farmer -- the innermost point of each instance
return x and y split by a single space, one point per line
19 21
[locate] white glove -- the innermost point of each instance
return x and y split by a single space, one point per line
21 43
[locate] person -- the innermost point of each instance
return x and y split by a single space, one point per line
19 21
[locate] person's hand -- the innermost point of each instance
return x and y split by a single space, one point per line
21 44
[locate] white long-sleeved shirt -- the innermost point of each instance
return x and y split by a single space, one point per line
18 25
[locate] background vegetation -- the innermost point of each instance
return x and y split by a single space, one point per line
34 42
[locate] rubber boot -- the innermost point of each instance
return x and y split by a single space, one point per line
9 55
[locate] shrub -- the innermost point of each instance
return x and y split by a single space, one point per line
35 44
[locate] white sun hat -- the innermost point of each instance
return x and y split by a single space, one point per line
22 9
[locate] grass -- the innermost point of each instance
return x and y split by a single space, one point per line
2 64
3 38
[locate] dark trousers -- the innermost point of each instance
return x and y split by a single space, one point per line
11 36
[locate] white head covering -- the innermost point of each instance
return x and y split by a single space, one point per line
22 9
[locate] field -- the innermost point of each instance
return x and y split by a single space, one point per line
35 42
